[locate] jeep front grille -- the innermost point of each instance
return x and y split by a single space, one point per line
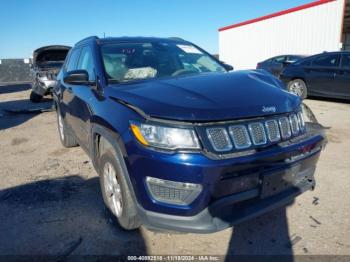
251 134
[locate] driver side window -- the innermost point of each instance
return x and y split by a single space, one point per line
86 62
73 59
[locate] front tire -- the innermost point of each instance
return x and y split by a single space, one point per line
298 87
67 139
116 193
35 98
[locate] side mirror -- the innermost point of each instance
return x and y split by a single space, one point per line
77 77
227 66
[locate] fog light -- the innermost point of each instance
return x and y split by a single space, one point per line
173 192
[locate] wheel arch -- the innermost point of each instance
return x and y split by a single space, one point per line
109 138
298 77
106 137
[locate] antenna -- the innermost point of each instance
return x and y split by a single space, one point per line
104 35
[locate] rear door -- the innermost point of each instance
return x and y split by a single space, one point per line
320 75
341 87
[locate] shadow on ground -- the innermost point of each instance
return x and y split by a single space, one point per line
267 235
6 89
61 217
66 216
17 112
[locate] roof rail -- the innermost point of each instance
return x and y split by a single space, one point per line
177 38
87 38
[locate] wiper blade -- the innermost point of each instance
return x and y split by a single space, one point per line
113 81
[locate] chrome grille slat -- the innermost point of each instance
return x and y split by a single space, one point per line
293 119
257 133
240 136
285 127
301 121
273 131
219 139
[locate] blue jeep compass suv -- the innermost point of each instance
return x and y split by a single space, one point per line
180 143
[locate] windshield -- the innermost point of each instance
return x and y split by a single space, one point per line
131 61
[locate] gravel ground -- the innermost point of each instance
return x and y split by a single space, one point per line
50 200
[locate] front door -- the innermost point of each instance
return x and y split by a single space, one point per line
341 87
83 95
320 75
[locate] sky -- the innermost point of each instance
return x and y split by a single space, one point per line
28 24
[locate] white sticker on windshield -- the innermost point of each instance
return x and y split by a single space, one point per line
189 49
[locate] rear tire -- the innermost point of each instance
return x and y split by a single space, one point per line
116 194
67 139
35 98
298 87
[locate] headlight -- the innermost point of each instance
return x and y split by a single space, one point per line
165 137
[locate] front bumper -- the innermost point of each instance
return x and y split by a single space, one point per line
43 86
210 220
213 211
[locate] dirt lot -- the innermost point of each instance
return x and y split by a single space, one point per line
50 201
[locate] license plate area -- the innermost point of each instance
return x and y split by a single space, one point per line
277 182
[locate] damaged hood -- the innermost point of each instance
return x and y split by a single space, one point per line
208 97
50 55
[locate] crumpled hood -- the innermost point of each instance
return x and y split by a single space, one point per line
37 54
208 97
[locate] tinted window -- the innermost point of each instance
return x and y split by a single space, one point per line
293 58
73 59
326 60
86 62
279 59
346 61
304 62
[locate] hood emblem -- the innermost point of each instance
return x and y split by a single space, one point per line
269 109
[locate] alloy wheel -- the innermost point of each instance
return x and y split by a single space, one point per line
112 190
297 88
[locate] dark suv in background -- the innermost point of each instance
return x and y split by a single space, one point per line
325 75
179 142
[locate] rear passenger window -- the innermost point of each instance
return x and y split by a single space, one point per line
73 59
346 61
326 61
280 59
